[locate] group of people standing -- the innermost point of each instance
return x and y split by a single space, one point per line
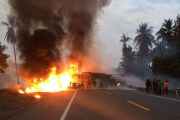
156 86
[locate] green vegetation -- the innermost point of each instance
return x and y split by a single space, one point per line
3 59
163 52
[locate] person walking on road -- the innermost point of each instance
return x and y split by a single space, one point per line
148 83
166 87
159 87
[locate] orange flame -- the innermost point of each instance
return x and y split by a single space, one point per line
118 84
54 83
73 68
20 91
37 96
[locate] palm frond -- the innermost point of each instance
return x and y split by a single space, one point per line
11 20
124 38
144 40
10 36
5 24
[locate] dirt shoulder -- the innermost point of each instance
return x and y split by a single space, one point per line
12 102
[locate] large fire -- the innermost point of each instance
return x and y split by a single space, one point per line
54 83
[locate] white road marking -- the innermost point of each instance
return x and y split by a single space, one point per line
109 93
67 108
157 96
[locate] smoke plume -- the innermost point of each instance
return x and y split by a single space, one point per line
44 25
80 16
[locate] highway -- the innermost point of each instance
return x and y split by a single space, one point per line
101 104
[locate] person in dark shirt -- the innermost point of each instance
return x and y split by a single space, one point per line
159 87
154 86
148 83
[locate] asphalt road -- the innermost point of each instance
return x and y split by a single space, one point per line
102 105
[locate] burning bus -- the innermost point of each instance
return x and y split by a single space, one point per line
99 80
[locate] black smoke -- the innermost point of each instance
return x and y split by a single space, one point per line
43 25
40 52
81 17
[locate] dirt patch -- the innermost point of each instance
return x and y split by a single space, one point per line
12 102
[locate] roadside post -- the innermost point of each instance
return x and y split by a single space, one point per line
177 94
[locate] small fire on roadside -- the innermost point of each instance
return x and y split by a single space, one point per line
20 91
118 84
37 96
54 83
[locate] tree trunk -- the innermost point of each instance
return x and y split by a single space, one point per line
16 64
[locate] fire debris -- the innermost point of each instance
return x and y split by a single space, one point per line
37 96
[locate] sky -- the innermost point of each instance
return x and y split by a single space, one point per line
121 16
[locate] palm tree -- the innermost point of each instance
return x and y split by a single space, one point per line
10 36
160 50
177 30
144 41
128 60
166 33
131 55
124 39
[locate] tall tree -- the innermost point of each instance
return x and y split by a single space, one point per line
166 33
160 49
143 42
10 36
128 60
167 63
177 30
3 58
124 39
